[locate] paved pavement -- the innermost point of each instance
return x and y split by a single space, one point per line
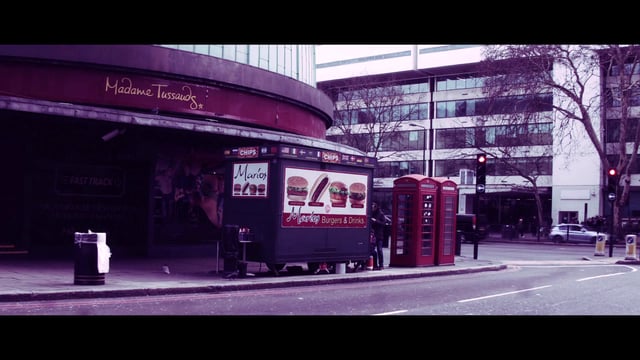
23 279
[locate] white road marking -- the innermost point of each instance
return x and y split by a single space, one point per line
392 312
600 276
633 269
503 294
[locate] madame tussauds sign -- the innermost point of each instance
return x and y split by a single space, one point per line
126 86
83 86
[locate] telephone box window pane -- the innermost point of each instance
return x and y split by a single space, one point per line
404 226
427 248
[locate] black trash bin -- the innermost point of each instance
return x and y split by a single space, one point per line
230 248
85 270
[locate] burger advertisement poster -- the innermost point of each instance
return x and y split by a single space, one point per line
321 198
250 180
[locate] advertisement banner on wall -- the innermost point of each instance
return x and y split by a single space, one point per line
320 198
250 180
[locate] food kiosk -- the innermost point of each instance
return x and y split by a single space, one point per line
423 218
298 204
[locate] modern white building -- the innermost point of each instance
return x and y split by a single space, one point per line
444 81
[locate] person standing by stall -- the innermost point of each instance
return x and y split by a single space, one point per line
520 227
377 227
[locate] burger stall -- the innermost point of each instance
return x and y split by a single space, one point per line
292 204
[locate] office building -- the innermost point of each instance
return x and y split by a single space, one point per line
441 90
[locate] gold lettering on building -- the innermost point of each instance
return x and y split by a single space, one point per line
125 86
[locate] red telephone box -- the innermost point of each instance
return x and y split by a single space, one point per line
446 226
413 236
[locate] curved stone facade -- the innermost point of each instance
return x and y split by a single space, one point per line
129 140
164 81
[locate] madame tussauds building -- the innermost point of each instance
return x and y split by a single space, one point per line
128 140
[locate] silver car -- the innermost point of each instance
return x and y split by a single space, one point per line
575 233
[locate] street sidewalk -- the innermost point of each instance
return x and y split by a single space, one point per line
28 279
23 279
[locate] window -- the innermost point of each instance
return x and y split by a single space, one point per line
613 97
628 69
451 167
506 105
467 177
463 81
532 165
396 169
454 138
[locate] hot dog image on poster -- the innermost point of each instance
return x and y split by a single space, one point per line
321 198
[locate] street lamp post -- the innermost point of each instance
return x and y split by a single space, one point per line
424 147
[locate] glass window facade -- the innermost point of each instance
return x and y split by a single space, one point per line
453 137
294 61
473 137
506 105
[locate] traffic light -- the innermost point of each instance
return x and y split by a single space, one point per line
481 173
612 184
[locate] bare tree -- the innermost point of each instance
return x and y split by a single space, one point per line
518 147
572 73
369 116
626 93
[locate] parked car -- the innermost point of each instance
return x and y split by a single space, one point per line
482 225
468 229
574 233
